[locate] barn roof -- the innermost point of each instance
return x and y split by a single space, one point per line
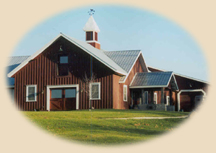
125 59
96 53
14 61
153 80
153 69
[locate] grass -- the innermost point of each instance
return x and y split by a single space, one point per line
93 127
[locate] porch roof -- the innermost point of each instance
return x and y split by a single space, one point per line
154 80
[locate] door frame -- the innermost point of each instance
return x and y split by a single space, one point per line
62 86
189 90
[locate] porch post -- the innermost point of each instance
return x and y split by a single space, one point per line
131 97
171 100
152 96
162 95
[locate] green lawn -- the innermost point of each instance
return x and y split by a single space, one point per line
93 127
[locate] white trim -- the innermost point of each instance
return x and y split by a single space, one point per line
147 86
125 87
191 78
155 95
72 41
62 86
144 62
132 79
169 79
181 75
172 75
189 90
99 86
92 41
155 68
175 82
130 68
35 92
167 102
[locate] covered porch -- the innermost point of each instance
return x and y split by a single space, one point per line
153 91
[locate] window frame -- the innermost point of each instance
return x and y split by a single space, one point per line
35 93
60 65
99 90
125 87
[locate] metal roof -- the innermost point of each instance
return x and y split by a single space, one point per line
181 75
125 59
151 79
14 61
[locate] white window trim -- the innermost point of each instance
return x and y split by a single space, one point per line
35 94
155 94
125 86
99 85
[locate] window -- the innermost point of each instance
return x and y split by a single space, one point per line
89 35
167 100
63 59
56 93
31 95
155 98
125 93
70 93
95 91
63 65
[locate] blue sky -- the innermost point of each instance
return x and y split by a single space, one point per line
164 44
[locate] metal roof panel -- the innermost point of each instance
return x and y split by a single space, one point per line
154 79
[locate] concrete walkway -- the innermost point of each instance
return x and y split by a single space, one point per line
147 118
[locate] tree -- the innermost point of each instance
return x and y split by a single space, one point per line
88 89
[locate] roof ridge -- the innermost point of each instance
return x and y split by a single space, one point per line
124 50
157 72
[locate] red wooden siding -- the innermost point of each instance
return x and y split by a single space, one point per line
118 102
186 83
42 71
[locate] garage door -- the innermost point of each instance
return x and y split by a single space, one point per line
62 99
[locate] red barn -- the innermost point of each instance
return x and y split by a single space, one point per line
53 78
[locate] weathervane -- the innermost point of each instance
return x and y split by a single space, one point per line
91 12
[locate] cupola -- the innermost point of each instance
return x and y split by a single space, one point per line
91 29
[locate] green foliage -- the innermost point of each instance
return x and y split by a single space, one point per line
100 127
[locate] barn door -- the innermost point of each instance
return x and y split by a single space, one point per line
63 99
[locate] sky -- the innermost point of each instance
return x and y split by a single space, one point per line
164 44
